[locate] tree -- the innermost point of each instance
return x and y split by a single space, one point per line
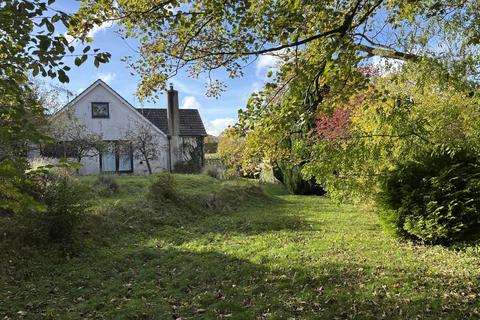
73 137
20 115
237 154
323 47
30 43
349 144
52 97
207 35
143 142
211 144
230 146
37 46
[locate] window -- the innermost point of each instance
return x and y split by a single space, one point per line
62 149
124 154
117 157
100 110
108 159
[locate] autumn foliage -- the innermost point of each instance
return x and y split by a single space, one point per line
336 125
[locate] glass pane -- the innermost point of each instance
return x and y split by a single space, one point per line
124 159
108 160
100 109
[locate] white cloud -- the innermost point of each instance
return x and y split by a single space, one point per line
257 86
107 77
96 29
215 127
190 102
267 62
186 89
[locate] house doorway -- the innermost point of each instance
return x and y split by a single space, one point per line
116 157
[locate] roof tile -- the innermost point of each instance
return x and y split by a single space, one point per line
190 121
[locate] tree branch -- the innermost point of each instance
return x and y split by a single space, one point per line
388 53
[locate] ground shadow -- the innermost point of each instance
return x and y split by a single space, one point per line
274 216
167 283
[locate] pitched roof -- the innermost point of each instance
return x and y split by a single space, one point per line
190 121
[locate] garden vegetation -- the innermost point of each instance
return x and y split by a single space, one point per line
375 102
263 253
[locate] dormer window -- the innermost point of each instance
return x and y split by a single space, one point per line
100 110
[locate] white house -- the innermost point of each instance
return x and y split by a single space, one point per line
176 134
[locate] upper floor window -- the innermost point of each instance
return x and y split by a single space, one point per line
100 110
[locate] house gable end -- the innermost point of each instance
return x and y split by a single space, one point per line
121 113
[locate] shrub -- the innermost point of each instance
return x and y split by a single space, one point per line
163 189
38 162
64 204
231 174
435 199
106 185
237 155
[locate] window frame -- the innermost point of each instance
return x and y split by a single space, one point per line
116 146
59 149
107 116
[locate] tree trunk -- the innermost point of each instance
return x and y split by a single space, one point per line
79 158
148 166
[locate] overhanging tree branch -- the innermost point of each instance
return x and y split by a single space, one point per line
387 53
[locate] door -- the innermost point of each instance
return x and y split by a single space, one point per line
117 157
125 158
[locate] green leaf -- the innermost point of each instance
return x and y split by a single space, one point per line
62 76
44 43
50 26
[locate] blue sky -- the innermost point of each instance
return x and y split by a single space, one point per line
216 113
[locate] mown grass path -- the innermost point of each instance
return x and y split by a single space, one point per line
296 257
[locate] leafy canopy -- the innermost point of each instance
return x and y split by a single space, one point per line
208 35
30 42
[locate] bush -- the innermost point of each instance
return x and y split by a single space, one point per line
63 201
106 185
163 189
435 199
38 162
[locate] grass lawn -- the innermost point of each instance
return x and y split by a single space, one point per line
289 257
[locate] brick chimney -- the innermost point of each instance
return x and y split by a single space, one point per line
173 115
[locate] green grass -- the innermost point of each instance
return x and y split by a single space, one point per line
291 257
